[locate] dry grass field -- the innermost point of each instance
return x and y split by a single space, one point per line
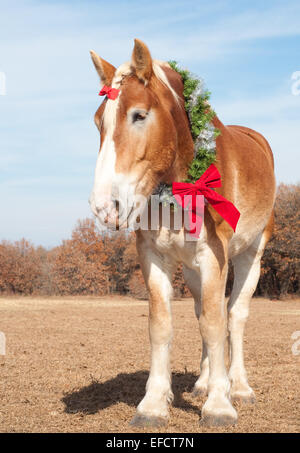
81 364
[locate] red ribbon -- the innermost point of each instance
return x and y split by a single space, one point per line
210 178
111 93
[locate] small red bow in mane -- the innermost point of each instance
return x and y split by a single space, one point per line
210 178
111 93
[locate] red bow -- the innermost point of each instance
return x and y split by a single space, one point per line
210 178
111 93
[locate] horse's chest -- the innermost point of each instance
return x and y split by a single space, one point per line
174 246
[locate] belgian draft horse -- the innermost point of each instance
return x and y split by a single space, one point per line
145 141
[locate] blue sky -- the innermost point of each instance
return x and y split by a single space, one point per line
245 51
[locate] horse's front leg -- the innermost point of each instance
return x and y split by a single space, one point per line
217 409
153 409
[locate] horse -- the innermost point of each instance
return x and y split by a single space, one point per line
146 140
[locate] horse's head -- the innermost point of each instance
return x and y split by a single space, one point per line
145 138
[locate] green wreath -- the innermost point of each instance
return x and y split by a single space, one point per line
200 115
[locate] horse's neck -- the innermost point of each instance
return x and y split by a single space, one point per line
185 153
185 147
218 124
219 142
185 144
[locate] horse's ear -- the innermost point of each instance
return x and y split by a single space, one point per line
105 70
141 61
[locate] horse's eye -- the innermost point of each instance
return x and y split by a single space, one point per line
138 116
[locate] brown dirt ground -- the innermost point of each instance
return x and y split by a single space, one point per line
81 365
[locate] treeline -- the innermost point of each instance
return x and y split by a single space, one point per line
91 263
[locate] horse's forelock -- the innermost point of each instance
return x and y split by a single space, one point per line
123 71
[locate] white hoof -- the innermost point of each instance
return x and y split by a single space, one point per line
145 421
218 412
242 392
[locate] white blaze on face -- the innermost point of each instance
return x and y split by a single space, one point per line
110 186
100 199
104 172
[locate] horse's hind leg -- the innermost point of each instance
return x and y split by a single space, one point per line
193 282
246 276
